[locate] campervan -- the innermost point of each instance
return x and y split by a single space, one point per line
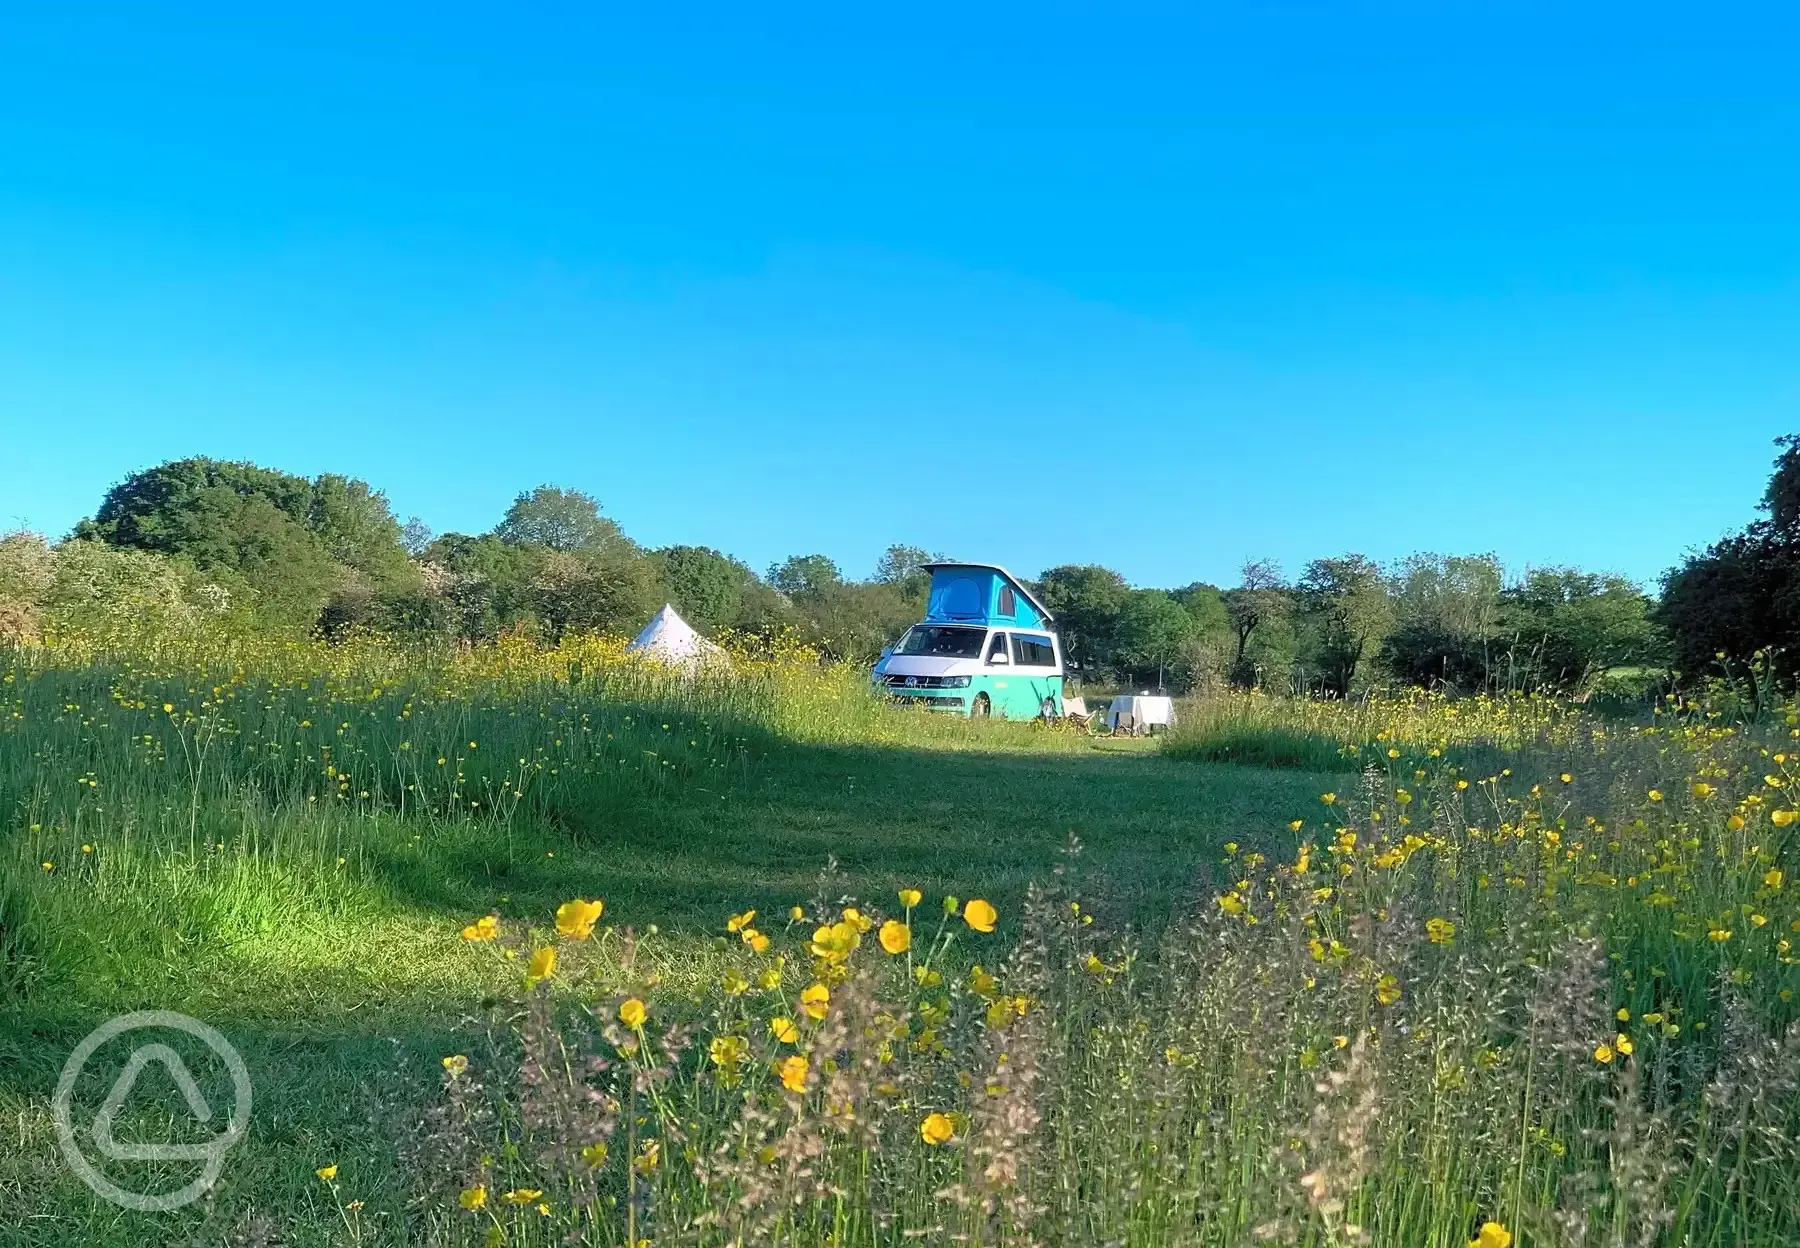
985 647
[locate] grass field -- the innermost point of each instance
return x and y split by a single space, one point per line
1522 967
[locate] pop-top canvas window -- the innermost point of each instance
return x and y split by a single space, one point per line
1009 602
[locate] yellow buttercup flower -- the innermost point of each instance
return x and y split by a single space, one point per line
1492 1235
485 928
895 937
979 915
473 1198
1603 1053
633 1012
815 1000
1440 931
727 1051
1387 990
522 1195
1781 818
456 1064
328 1173
542 965
910 897
739 921
784 1030
793 1073
836 942
937 1129
576 919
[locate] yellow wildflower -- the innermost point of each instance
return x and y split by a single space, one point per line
542 965
1492 1235
328 1173
910 897
485 928
576 919
835 943
815 1000
896 938
1603 1053
979 915
937 1129
793 1073
633 1012
784 1030
737 922
473 1198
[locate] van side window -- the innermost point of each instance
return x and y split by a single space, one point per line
1033 651
996 647
1009 601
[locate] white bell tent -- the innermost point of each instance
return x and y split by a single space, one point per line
673 640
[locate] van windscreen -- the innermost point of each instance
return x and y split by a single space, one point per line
941 642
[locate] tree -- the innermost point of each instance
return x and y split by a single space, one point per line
904 565
1570 627
596 592
559 519
1742 594
1447 620
1086 600
707 587
289 546
1345 604
804 577
1152 628
1260 599
1206 652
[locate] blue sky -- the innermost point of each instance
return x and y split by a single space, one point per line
1159 287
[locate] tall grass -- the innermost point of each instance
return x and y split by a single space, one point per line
1554 1004
1515 966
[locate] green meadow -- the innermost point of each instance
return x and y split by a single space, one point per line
1386 972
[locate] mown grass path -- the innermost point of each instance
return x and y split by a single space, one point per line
339 1008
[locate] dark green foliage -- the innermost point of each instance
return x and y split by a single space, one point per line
1567 628
1259 610
294 547
558 519
1086 600
905 565
1346 605
1151 632
1742 595
804 577
708 588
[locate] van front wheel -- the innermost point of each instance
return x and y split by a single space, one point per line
980 707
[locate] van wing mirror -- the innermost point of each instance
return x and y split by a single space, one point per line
997 658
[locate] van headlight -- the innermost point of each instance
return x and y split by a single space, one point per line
956 682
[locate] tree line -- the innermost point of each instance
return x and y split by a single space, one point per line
238 546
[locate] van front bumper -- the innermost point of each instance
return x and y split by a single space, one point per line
930 701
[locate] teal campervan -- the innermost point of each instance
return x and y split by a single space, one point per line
985 647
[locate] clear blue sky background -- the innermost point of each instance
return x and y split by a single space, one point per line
1162 287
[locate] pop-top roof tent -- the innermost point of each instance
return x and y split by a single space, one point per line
982 593
673 640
